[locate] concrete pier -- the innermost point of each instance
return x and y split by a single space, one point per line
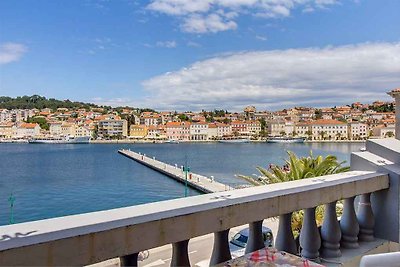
199 182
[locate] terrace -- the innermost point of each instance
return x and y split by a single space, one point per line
369 224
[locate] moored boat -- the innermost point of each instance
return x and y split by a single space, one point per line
281 139
234 140
61 140
172 141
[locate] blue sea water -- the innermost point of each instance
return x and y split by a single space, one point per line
57 180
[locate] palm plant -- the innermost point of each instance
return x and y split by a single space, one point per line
295 169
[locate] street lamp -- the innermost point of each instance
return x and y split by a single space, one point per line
186 169
11 199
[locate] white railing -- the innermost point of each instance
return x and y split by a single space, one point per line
93 237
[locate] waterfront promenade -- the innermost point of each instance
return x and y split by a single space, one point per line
196 181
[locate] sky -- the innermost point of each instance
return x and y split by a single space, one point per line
201 54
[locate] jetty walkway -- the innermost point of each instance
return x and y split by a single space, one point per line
196 181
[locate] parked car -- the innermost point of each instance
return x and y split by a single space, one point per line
237 243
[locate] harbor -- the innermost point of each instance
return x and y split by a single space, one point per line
196 181
100 170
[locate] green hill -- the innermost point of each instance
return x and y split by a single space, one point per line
40 102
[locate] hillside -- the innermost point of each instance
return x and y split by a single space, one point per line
40 102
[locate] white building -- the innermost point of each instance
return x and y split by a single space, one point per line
328 130
212 132
113 127
357 130
199 131
68 129
28 130
223 129
55 128
382 132
7 130
303 129
253 127
82 131
276 127
5 115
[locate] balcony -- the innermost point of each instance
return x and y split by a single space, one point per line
369 223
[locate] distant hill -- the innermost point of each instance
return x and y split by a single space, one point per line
40 102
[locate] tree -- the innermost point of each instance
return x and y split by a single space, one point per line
183 117
39 120
309 134
389 134
318 114
297 168
40 102
322 134
263 124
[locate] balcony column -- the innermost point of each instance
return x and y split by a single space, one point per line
284 240
255 240
180 255
365 218
349 225
221 251
330 233
129 260
396 95
310 240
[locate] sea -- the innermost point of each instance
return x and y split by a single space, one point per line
51 180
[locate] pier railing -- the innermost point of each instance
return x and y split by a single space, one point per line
94 237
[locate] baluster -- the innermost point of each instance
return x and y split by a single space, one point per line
349 225
365 218
221 251
284 240
310 240
129 260
255 240
330 233
180 255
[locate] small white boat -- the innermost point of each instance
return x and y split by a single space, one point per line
282 139
61 140
234 140
172 141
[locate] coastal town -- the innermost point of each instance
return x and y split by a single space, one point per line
356 121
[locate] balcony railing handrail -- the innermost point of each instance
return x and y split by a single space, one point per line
132 229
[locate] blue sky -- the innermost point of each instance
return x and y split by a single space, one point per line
195 54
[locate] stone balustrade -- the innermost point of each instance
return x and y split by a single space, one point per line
93 237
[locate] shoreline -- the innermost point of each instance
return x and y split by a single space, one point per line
128 141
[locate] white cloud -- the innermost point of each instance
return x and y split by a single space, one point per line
261 38
202 16
11 52
267 79
166 44
210 23
193 44
308 9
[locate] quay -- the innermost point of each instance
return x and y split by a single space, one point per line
199 182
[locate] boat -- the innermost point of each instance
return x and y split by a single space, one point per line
172 141
282 139
234 140
61 140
